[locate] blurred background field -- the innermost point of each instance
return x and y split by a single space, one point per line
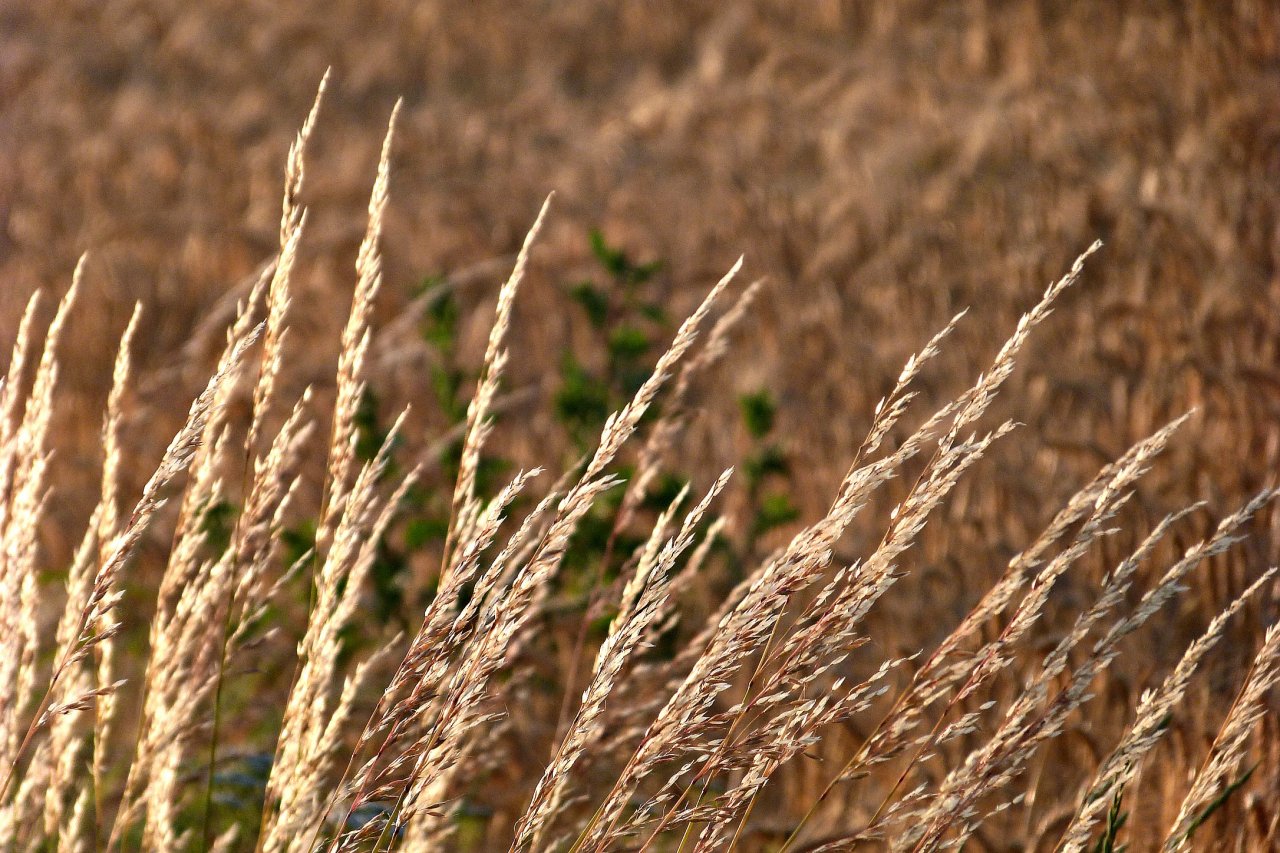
882 165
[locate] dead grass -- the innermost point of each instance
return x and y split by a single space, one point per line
884 167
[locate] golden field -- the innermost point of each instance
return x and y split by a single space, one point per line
880 167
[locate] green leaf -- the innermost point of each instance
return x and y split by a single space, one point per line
770 460
654 312
627 343
618 265
370 436
418 532
774 511
758 411
440 324
593 301
582 402
298 540
1116 819
447 383
613 260
217 521
1218 802
663 492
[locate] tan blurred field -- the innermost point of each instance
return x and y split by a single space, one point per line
881 165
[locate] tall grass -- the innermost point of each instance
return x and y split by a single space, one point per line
667 747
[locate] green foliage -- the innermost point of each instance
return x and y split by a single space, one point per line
774 510
298 541
386 575
583 401
627 322
758 412
446 383
239 786
627 343
664 490
1217 803
422 530
370 434
593 301
768 461
217 524
440 322
616 262
588 544
1116 819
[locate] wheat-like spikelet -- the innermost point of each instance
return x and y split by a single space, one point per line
1035 716
1229 746
747 625
68 735
313 723
642 602
465 508
674 749
355 347
1148 726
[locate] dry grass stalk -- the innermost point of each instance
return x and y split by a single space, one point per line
465 506
1148 726
355 347
1228 747
745 698
642 602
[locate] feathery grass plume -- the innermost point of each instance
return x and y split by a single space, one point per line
179 674
1090 508
19 595
642 601
12 400
466 690
465 506
674 417
97 623
620 425
108 526
256 544
686 740
657 445
827 631
447 627
278 301
746 621
292 221
1034 716
76 833
1228 747
795 728
1150 723
931 684
295 164
71 775
435 751
267 486
30 492
355 347
313 721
